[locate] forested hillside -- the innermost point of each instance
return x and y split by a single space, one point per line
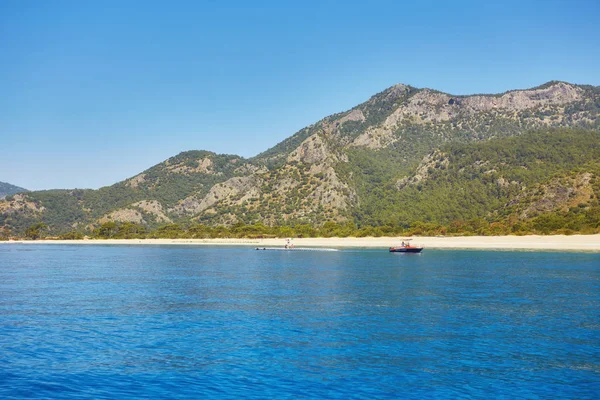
460 181
406 159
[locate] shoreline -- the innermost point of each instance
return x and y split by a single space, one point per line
527 242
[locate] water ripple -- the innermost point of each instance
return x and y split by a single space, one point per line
110 322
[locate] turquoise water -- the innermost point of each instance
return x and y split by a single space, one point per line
201 322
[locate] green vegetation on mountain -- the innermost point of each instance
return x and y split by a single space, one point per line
407 160
463 181
167 183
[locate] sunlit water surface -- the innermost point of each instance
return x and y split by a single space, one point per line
203 322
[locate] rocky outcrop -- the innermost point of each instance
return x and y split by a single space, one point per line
431 107
153 208
428 105
376 138
123 215
354 115
559 93
21 203
312 150
203 166
241 188
333 193
424 106
397 91
136 181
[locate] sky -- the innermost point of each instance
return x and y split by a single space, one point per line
94 92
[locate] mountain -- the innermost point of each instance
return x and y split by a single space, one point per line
405 157
7 188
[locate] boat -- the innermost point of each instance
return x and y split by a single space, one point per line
406 247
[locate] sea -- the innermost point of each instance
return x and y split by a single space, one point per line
183 322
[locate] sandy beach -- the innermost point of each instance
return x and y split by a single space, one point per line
530 242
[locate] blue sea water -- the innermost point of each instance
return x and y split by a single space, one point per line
109 322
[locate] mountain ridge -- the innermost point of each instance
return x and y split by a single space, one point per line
8 189
332 170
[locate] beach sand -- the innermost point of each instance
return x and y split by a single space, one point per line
529 242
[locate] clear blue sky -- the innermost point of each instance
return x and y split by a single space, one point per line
93 92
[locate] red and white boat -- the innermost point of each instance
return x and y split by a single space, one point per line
406 247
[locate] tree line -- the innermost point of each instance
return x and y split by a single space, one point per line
577 221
